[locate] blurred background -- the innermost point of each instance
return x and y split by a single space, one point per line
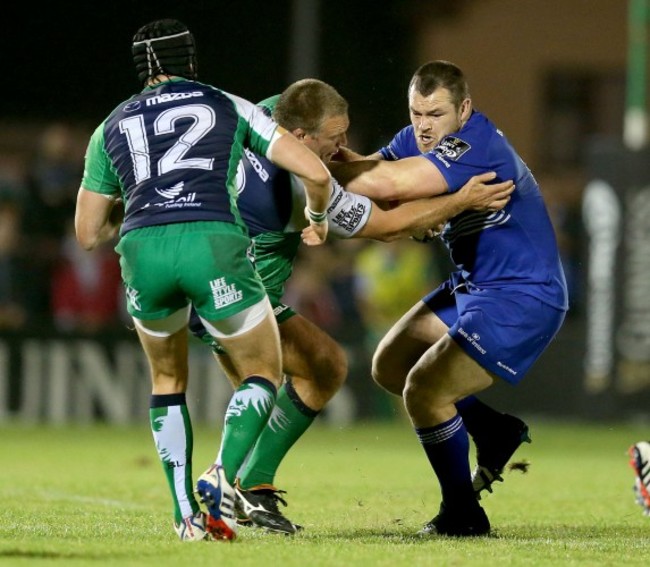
564 80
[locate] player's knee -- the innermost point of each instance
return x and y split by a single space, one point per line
383 373
409 396
338 363
376 368
341 367
383 362
426 395
415 395
331 369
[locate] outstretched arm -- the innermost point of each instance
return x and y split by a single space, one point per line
415 218
402 180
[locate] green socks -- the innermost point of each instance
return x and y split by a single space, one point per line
289 419
248 411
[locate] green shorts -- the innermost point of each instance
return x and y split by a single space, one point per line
275 254
207 263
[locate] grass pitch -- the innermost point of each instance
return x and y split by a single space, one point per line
97 496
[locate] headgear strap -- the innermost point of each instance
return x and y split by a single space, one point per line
172 55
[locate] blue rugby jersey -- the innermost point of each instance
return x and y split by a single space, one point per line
514 248
171 153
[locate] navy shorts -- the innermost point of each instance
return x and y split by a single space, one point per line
505 331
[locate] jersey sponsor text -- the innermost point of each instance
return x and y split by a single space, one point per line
471 340
257 166
224 294
350 219
170 97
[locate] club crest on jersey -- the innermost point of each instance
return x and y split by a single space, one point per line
452 148
132 106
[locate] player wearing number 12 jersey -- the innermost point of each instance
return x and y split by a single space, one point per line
170 154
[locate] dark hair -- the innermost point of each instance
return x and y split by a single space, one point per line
164 47
436 74
307 104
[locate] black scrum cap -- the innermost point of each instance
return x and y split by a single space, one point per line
164 47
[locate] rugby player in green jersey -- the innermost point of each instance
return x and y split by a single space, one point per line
169 154
271 203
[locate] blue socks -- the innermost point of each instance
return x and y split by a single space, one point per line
447 448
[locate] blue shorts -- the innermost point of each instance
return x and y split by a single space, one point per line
505 331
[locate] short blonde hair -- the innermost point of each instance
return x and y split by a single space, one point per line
307 104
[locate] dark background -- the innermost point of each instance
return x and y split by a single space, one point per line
72 60
546 76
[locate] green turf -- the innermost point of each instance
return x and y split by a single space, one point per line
97 496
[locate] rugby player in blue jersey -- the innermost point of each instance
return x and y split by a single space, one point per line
271 203
170 155
493 317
